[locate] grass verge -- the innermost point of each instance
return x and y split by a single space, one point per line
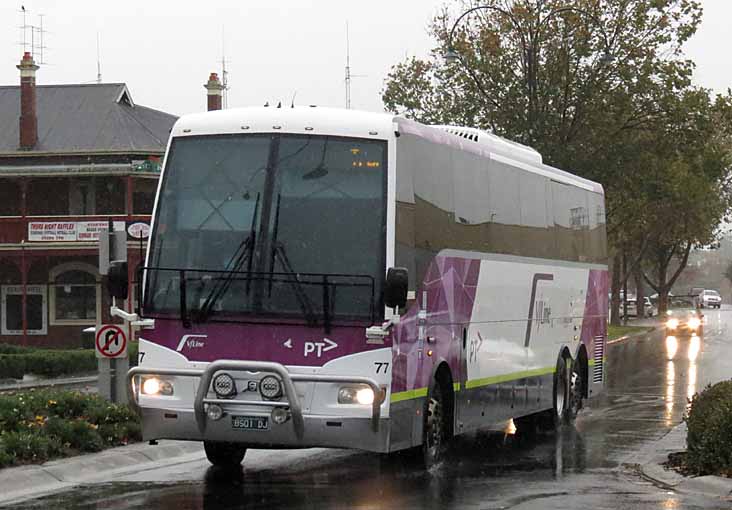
39 425
615 332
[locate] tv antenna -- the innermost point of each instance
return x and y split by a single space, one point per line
31 36
349 76
224 72
99 62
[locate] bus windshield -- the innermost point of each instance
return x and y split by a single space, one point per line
269 225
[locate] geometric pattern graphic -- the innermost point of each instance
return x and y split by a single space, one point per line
447 296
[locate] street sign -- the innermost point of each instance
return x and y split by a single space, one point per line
111 342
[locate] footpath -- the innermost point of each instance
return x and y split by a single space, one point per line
32 481
87 382
650 462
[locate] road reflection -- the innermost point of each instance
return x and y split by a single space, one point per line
367 481
689 363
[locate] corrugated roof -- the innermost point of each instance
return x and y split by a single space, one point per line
85 118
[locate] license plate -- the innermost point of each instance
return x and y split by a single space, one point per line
250 422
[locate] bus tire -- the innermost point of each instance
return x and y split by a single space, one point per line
576 389
224 455
552 419
435 431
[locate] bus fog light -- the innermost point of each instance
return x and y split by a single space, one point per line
270 387
672 323
224 385
214 412
280 415
694 323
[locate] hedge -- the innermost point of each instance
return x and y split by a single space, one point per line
709 437
39 425
17 361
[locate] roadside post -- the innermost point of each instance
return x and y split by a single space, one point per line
110 340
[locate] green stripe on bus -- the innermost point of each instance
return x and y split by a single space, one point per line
409 395
477 383
497 379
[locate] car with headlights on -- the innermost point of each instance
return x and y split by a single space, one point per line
683 317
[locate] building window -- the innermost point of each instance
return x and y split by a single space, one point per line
143 196
12 310
48 196
110 195
10 198
75 295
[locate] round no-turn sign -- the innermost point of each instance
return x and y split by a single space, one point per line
111 342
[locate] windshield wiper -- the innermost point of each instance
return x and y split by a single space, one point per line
278 252
242 255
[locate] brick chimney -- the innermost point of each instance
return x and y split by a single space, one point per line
28 118
215 92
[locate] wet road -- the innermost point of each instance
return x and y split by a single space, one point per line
587 466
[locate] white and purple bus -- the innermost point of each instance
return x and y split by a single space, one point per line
333 278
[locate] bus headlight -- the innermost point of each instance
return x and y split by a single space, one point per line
694 323
672 323
154 386
363 395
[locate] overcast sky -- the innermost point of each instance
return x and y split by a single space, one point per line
164 50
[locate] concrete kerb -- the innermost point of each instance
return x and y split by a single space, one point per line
27 482
653 470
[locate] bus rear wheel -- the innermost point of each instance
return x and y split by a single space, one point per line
224 455
553 418
576 390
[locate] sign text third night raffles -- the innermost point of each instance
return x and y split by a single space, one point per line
56 231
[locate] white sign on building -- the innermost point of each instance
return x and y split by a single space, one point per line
59 231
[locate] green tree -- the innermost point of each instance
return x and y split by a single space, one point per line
600 89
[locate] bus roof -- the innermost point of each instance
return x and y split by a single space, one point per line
380 126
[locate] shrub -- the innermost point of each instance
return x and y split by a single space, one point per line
29 446
14 349
12 366
709 438
6 459
41 424
47 363
16 361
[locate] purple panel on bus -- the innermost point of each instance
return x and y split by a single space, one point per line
596 306
286 344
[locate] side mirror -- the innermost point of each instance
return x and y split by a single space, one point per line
117 281
395 287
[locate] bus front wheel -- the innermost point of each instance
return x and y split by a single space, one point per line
224 455
435 431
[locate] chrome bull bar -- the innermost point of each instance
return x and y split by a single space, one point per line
288 380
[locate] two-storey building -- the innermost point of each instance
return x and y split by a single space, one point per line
72 159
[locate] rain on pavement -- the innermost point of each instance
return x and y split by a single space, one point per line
589 465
